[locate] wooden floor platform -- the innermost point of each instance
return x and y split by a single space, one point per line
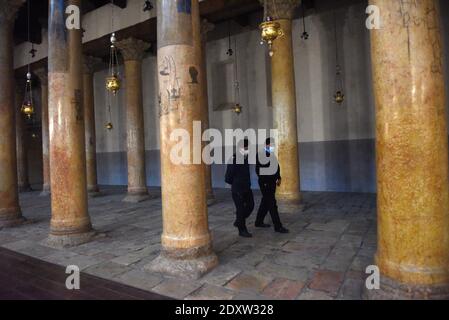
26 278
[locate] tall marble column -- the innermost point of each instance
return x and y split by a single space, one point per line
132 51
42 74
23 181
90 64
205 28
186 239
284 101
70 222
412 152
10 213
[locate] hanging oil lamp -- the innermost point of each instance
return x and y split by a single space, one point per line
237 108
339 96
113 81
305 34
271 30
28 105
109 126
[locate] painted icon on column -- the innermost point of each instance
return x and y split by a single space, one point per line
193 75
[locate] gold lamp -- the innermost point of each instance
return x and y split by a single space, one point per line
28 106
237 108
271 30
113 81
339 97
109 126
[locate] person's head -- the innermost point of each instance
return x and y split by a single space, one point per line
243 146
269 145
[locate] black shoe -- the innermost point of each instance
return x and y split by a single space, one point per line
245 234
262 225
281 230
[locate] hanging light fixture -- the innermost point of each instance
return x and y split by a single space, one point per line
271 30
339 96
113 79
237 107
28 104
230 52
305 34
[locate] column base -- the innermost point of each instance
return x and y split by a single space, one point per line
94 194
69 240
25 188
45 191
290 203
393 290
12 222
189 264
211 200
136 197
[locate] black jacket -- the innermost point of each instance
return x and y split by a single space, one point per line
238 176
267 178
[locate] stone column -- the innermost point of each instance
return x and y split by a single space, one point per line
412 152
284 101
42 74
90 63
10 213
70 222
186 240
23 181
133 51
205 28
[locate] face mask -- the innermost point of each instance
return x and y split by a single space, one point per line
269 149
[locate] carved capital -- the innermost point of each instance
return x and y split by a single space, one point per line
91 64
206 27
42 74
9 9
280 9
132 49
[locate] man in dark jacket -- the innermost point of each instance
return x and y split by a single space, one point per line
269 179
238 176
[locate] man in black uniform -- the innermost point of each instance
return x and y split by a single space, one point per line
238 176
268 181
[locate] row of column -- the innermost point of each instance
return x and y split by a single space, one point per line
411 130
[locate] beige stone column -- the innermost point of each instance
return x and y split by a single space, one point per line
42 74
205 28
284 101
90 64
70 222
10 213
412 151
186 240
23 181
133 51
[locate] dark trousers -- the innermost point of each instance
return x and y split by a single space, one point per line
244 204
268 204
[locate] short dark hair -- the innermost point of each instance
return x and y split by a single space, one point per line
269 141
245 143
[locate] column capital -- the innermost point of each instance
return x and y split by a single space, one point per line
280 9
42 74
132 48
91 64
206 27
9 9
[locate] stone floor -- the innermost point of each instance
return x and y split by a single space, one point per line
324 257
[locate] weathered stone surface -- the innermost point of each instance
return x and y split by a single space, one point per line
327 281
211 292
176 289
283 289
249 282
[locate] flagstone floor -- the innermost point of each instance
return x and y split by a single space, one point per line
324 257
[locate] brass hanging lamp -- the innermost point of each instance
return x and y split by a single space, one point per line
237 108
113 83
28 104
339 96
270 29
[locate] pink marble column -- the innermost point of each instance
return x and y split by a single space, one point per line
132 51
70 222
42 74
90 65
23 181
10 213
186 240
